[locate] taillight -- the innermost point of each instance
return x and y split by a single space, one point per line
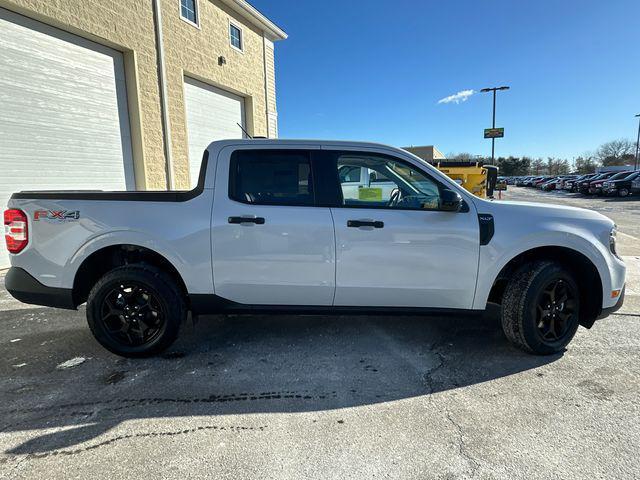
16 232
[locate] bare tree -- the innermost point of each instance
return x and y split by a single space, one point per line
615 152
557 166
585 164
461 157
537 166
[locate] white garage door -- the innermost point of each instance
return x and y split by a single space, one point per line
63 112
212 114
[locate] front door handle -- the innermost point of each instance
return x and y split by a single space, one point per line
365 223
240 220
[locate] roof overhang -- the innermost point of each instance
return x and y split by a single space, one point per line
248 11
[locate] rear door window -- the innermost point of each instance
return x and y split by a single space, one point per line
271 177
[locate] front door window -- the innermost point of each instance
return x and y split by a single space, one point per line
374 181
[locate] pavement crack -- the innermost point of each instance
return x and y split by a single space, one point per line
428 375
462 446
15 467
436 349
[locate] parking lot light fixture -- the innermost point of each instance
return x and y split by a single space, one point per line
493 124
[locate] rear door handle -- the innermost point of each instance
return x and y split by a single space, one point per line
365 223
240 220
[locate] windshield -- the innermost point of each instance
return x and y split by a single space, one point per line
620 175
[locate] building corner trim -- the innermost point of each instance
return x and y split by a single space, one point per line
164 104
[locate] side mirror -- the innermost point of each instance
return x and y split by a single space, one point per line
450 201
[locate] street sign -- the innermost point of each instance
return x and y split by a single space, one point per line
493 132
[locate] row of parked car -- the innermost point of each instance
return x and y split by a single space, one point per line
621 184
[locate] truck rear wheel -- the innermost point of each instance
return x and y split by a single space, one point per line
135 311
540 308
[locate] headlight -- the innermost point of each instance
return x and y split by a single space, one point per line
612 240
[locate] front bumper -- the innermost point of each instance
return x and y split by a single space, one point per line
605 312
23 287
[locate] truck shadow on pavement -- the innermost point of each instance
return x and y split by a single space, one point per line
232 365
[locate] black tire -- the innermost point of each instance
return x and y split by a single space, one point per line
623 192
531 320
136 311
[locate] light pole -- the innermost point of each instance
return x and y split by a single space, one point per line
635 165
493 124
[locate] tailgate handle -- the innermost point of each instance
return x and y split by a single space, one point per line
365 223
241 220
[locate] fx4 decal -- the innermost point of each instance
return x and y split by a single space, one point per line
59 215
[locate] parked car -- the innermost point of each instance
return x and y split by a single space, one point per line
541 181
310 227
522 181
635 185
595 186
620 187
531 181
572 184
563 179
583 185
549 184
555 183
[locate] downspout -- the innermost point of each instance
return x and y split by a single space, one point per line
164 106
266 85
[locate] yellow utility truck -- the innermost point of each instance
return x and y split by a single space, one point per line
475 177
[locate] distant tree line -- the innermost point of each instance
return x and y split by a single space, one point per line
615 152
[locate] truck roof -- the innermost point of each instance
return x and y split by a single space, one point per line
306 142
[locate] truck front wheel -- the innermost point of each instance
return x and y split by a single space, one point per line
135 311
540 308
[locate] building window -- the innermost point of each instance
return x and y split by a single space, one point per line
235 35
189 10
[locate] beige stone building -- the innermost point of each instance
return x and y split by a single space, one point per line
113 94
427 152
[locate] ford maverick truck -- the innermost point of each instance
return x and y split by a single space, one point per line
310 227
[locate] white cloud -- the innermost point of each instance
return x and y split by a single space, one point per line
462 96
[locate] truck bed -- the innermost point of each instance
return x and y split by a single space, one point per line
120 196
141 196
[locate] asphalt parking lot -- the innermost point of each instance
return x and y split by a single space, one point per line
326 397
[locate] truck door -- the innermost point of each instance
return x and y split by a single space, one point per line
271 244
394 246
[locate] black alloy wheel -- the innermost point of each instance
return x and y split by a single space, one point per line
555 310
541 307
132 315
136 310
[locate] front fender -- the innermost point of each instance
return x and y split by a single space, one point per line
495 256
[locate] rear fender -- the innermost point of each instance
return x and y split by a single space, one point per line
197 278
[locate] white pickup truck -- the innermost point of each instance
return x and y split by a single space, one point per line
310 227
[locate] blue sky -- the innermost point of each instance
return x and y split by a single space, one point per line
375 70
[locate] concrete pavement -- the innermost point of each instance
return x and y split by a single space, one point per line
323 397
